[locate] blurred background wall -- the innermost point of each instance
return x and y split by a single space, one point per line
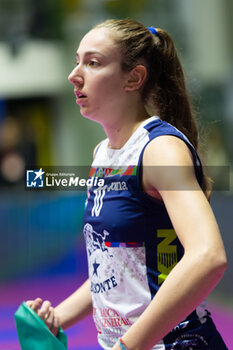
40 123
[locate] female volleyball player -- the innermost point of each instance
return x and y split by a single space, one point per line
153 245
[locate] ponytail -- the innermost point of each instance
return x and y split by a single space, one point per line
171 96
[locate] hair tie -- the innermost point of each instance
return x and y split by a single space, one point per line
153 30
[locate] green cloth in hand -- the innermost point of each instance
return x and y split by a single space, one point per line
33 332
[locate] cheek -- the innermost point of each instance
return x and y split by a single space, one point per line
110 81
113 87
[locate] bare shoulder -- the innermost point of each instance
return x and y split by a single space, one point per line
167 150
168 164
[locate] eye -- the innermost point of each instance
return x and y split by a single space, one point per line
93 63
76 63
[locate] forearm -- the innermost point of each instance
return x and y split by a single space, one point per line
76 307
184 289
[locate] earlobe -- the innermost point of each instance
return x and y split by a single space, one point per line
136 78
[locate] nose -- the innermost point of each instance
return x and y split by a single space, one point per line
75 76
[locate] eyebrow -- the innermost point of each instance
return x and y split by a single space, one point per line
89 53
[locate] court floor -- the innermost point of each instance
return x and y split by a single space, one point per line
82 336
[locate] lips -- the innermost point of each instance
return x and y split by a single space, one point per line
79 94
80 97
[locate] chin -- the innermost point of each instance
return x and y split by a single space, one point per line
90 117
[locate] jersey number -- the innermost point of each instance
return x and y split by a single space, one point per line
98 201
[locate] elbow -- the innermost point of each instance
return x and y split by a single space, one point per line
220 268
216 262
221 264
210 261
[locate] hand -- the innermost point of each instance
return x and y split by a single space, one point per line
46 312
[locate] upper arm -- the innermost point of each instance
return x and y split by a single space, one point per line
168 167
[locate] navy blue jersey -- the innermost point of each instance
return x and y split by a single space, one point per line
131 243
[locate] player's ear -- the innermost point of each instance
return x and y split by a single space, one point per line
136 78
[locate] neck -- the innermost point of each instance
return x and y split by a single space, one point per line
119 130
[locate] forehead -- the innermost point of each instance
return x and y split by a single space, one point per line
98 40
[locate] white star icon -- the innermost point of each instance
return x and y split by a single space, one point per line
38 173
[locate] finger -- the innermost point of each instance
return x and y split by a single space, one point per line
49 318
36 304
44 310
29 303
56 325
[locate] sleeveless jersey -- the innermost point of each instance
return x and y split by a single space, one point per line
130 240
